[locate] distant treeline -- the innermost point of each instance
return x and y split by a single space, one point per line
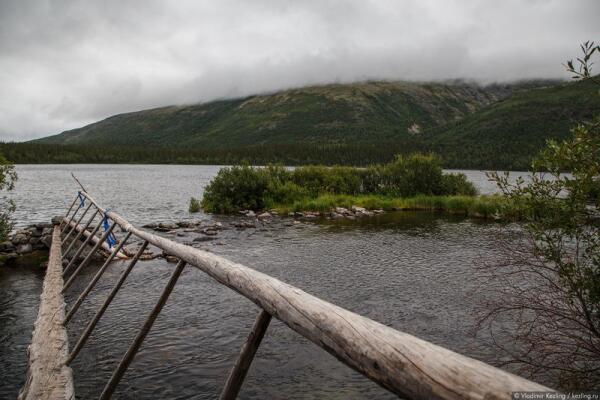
468 157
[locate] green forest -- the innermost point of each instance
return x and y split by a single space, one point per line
342 154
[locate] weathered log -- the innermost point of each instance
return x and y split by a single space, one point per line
402 363
48 376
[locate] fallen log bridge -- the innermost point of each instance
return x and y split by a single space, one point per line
401 363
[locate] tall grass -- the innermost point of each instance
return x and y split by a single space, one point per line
195 205
487 207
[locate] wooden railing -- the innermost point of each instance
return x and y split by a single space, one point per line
401 363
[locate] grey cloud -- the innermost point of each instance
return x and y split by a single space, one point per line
67 63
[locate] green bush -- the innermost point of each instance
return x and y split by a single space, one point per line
284 193
256 188
236 188
194 205
457 184
318 179
411 175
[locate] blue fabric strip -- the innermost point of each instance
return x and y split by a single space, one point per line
111 238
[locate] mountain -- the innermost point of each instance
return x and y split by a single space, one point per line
363 112
512 130
470 126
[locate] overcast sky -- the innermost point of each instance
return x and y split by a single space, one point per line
64 64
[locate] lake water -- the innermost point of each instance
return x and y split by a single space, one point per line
415 272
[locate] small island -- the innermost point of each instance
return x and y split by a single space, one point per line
413 182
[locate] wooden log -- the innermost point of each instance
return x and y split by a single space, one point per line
90 238
242 365
89 256
80 233
404 364
62 229
48 376
95 279
92 324
139 339
95 239
68 235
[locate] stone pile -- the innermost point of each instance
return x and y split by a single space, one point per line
27 240
353 212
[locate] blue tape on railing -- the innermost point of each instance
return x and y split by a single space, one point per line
111 238
81 199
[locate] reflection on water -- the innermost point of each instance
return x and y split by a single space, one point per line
412 271
19 298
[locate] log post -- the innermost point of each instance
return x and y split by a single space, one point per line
92 324
242 364
68 235
95 279
94 239
80 232
65 218
87 259
139 339
80 249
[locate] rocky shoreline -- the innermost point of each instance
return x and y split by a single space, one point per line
34 240
336 213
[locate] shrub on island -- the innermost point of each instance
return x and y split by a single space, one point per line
244 187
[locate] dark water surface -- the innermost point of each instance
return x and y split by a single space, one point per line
412 271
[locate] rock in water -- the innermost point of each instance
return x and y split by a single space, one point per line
25 248
203 239
7 247
166 227
358 209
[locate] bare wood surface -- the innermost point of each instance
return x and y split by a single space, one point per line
95 279
68 235
48 376
79 233
89 256
402 363
95 239
83 245
242 365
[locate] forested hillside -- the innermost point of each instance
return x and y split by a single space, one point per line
364 112
507 133
470 126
